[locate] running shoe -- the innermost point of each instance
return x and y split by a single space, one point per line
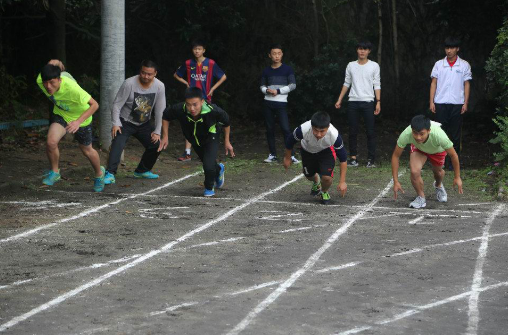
51 177
219 181
184 157
325 198
316 188
294 160
146 175
271 158
352 162
370 164
98 183
441 193
109 178
209 193
419 202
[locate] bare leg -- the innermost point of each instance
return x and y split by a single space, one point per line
187 145
93 156
326 182
314 178
439 174
416 162
55 133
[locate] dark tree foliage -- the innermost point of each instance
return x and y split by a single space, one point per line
318 37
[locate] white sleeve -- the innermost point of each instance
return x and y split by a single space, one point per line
435 72
377 78
347 80
467 73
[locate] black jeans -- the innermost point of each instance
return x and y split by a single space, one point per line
365 109
207 153
451 122
144 135
271 110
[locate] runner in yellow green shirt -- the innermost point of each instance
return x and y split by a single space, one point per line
428 141
72 113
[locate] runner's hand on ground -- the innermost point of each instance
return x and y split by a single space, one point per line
286 162
342 188
229 148
458 182
396 188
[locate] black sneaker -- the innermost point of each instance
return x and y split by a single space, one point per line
352 162
370 164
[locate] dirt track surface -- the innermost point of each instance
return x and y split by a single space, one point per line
262 257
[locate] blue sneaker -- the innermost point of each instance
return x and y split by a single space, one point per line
209 193
98 184
51 177
109 178
219 181
146 175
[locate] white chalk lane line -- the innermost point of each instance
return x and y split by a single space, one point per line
307 266
92 210
166 248
422 308
473 309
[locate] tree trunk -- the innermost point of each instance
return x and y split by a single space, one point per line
315 29
395 53
380 41
56 29
112 62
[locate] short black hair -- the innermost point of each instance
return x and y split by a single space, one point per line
452 42
198 43
50 71
149 63
193 92
420 122
275 46
320 120
364 45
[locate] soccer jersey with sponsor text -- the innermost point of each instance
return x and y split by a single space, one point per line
200 75
437 142
70 100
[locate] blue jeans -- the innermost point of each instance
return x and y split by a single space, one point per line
271 110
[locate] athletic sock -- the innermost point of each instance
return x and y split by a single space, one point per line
187 151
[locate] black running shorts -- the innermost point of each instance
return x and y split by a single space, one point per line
322 162
83 135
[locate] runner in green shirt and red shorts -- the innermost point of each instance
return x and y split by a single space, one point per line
428 142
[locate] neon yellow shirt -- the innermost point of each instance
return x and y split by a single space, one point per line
71 101
437 142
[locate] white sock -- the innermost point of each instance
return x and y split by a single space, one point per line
187 151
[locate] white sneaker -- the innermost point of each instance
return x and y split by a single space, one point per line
441 193
271 158
294 160
419 202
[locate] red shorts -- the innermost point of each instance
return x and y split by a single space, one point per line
437 159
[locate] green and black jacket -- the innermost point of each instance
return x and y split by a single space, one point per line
199 131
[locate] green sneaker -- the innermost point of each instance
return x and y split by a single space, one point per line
325 198
98 184
51 177
316 189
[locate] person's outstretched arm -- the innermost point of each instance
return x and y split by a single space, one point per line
397 152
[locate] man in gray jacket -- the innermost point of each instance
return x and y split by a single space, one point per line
131 113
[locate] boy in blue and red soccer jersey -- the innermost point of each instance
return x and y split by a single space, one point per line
199 72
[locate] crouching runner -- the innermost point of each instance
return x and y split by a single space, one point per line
321 144
428 142
201 123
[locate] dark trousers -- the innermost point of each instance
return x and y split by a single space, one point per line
451 122
366 110
207 153
144 135
271 110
